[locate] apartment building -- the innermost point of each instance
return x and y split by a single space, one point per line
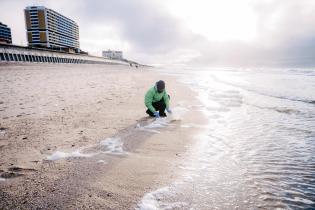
47 28
118 55
5 34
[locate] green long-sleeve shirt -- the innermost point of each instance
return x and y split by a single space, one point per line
152 96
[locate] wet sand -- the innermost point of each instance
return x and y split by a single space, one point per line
46 109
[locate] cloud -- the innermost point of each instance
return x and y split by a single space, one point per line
148 32
285 37
143 24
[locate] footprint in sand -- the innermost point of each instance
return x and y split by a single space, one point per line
2 131
15 171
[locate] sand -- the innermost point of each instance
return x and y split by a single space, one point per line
74 136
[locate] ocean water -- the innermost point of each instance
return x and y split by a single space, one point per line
257 150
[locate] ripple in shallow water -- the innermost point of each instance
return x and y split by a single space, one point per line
262 155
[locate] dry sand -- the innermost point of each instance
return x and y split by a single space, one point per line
49 108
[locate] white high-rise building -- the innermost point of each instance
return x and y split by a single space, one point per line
117 55
47 28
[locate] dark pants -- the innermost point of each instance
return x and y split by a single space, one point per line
159 106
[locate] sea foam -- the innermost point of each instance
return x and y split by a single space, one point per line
113 145
150 200
64 155
176 115
153 201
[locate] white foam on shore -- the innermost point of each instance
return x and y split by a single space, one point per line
64 155
113 145
146 129
153 201
163 122
157 123
150 200
2 179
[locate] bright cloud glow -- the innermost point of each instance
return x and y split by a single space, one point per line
104 37
222 20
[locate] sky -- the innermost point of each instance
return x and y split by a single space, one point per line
228 33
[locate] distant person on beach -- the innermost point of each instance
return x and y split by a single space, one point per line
157 100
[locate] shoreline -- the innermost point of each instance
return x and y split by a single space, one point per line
83 119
